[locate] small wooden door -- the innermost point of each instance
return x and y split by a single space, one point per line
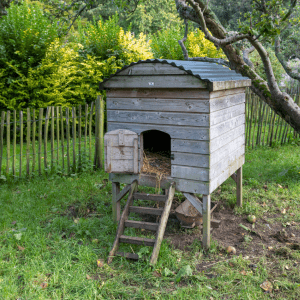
121 151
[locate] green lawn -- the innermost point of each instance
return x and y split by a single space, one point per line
54 229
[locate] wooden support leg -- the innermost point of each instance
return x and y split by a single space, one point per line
239 187
116 206
206 221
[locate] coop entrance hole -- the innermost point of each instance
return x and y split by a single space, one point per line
156 146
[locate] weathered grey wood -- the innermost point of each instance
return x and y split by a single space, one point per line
128 255
234 177
226 126
224 93
239 187
226 173
190 159
121 194
190 173
206 221
189 146
116 206
160 118
121 225
148 81
175 93
195 202
1 138
226 85
226 138
7 140
156 104
152 197
135 156
141 225
223 164
223 115
146 210
225 150
162 225
151 69
137 240
226 101
120 166
177 132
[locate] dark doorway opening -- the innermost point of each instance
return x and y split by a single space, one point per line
156 152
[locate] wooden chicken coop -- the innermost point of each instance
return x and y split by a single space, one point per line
193 112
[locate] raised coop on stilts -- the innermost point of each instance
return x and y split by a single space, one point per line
179 123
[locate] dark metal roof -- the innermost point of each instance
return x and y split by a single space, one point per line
206 71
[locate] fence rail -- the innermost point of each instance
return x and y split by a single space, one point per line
36 142
51 138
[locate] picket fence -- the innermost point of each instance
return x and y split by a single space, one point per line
56 141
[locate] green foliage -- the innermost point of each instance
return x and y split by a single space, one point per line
105 39
259 67
25 34
165 44
62 79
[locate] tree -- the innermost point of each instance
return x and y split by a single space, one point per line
264 25
4 4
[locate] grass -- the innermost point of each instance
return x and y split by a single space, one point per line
54 229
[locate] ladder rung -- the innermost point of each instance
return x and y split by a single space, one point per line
153 197
146 210
128 255
136 240
143 225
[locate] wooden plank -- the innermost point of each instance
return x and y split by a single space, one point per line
224 93
146 210
121 153
116 207
157 104
234 177
14 143
177 132
223 115
57 135
223 164
1 138
128 255
239 187
120 166
136 240
193 173
195 202
62 138
225 150
121 224
162 225
225 102
79 137
135 157
85 126
52 137
148 81
152 197
190 159
151 69
141 225
40 134
189 146
226 138
68 138
7 141
226 126
228 84
124 191
28 142
33 140
160 118
226 173
21 143
175 93
206 221
74 137
46 135
90 131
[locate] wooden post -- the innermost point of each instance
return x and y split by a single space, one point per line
98 159
68 138
14 143
21 143
7 141
52 137
74 137
40 133
206 221
90 131
85 126
33 140
57 134
46 135
239 187
28 142
116 206
1 138
79 137
62 139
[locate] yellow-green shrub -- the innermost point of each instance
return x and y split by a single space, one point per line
62 79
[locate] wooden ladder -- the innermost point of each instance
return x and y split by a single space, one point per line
158 227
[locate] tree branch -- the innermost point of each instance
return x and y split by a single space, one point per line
281 59
181 42
246 58
293 4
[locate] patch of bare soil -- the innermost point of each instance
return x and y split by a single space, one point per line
259 239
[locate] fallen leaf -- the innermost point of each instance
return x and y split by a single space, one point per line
21 248
44 285
88 277
156 274
14 222
266 286
231 264
100 263
283 211
286 267
270 248
264 204
280 186
243 272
